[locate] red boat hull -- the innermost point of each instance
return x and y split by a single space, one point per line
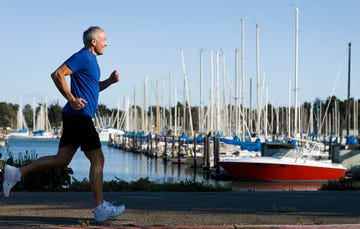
280 172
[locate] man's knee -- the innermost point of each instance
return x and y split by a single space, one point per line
95 156
62 161
64 156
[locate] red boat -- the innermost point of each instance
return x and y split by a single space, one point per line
285 166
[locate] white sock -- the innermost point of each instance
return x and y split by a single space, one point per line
99 206
18 174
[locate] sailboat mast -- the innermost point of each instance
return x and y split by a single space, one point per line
296 70
243 77
127 113
212 92
145 104
236 92
135 110
143 108
258 79
289 110
186 96
163 116
348 96
175 111
225 116
34 115
250 109
170 116
184 108
218 91
201 113
158 128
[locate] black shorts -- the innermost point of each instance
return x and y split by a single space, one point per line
79 131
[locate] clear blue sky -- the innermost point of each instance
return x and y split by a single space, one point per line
145 38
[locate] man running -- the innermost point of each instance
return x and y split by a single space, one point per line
78 127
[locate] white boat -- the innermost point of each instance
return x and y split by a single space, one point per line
2 141
22 133
105 134
42 134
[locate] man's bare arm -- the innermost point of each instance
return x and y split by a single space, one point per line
59 79
113 78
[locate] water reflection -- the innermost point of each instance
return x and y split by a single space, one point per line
130 166
275 186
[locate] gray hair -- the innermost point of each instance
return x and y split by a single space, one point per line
91 33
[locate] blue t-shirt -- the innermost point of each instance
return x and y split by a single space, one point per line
84 81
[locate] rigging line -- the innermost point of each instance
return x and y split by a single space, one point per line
333 91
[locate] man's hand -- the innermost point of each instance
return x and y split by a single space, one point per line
114 76
78 104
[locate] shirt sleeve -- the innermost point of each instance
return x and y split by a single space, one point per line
75 62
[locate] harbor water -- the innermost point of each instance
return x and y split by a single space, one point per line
130 166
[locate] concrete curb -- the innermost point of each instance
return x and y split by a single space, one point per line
339 226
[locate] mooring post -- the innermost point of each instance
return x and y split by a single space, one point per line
122 142
194 150
208 153
330 147
206 160
179 151
164 154
205 153
156 146
151 144
173 146
147 143
217 156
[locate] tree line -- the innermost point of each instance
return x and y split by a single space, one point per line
8 114
328 116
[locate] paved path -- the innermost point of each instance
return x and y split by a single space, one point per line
186 210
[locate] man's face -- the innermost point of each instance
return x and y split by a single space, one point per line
100 43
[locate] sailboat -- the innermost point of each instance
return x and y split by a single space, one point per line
42 127
21 129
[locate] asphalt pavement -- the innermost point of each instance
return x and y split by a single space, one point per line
260 209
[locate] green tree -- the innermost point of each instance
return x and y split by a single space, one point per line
103 111
28 115
54 114
8 113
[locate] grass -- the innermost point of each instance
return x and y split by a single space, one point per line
344 184
145 184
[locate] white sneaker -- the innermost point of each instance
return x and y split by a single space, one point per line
11 177
106 211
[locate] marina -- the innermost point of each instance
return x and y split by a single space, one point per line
210 114
130 166
222 140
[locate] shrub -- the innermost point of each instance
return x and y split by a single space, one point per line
52 179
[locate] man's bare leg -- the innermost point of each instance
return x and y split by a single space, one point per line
96 158
61 159
12 175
